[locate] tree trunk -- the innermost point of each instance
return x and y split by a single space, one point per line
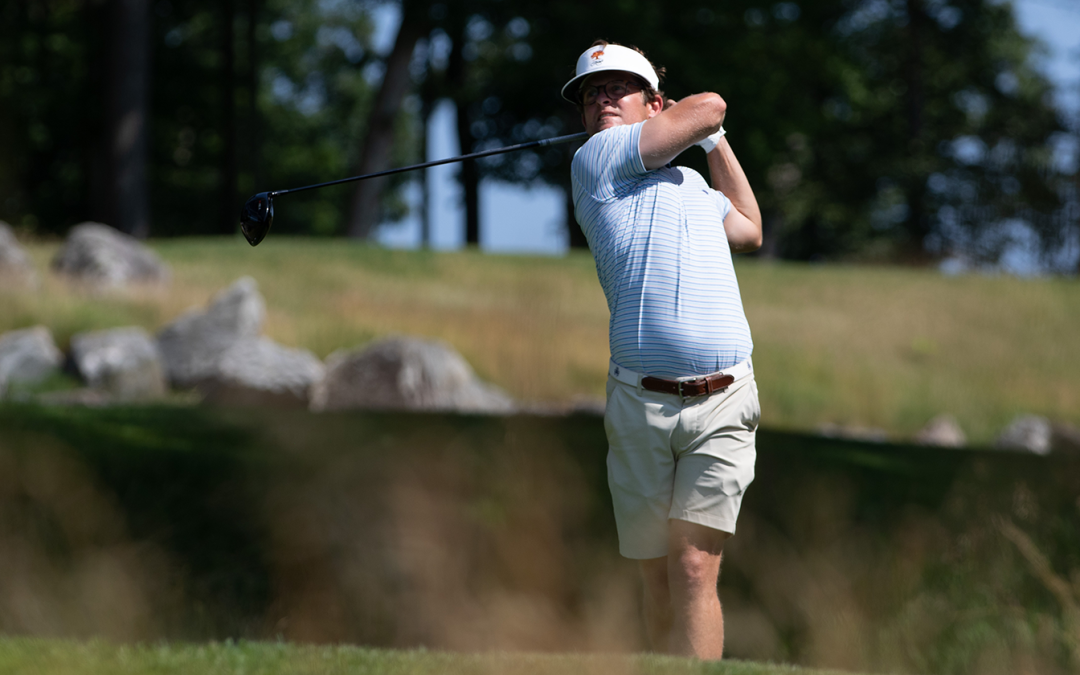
575 237
469 174
253 143
123 200
364 208
230 208
425 184
469 177
918 223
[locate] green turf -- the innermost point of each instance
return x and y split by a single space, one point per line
888 348
60 657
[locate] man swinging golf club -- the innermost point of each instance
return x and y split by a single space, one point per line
682 404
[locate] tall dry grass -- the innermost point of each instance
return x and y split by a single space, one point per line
861 346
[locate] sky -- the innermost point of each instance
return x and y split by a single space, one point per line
515 219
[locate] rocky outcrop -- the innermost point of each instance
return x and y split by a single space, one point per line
27 357
1027 433
192 345
221 353
101 256
262 373
942 431
16 268
404 373
123 362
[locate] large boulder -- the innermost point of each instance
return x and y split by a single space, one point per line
942 431
192 346
15 265
404 373
1027 433
102 256
27 357
221 353
123 362
262 373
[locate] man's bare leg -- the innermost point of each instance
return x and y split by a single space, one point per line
656 602
682 608
697 622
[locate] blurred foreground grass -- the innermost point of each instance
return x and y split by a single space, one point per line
472 534
860 346
62 657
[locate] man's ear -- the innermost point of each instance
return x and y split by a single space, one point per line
655 105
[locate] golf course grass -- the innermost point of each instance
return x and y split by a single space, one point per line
881 348
175 537
63 657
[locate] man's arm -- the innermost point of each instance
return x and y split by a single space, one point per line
743 222
678 126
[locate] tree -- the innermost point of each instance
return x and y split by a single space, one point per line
49 107
375 156
850 117
121 198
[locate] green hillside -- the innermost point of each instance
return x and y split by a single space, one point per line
857 346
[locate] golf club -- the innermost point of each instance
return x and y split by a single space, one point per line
258 213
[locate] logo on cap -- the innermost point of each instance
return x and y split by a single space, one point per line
597 56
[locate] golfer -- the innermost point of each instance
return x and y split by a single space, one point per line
682 404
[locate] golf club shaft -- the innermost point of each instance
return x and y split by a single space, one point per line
437 162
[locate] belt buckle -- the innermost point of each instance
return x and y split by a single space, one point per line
683 396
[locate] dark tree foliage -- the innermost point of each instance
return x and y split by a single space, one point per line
245 96
870 129
48 97
873 129
300 89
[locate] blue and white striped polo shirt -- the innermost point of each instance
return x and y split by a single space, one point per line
663 260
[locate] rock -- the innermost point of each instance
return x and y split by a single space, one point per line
1064 437
27 357
943 431
404 373
124 362
192 346
15 265
262 373
105 257
1029 433
854 433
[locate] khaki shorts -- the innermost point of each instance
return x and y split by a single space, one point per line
690 459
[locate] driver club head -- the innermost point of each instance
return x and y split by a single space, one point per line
256 217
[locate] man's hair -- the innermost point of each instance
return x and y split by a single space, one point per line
647 92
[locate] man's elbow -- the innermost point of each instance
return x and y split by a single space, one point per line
716 108
747 245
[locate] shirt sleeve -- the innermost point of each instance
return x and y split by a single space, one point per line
723 204
609 163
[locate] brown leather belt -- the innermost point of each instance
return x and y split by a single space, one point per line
702 386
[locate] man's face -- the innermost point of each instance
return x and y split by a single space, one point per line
606 112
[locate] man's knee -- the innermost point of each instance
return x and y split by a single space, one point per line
695 554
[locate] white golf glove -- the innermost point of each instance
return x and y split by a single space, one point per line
709 142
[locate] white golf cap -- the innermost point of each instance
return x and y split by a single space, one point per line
609 57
